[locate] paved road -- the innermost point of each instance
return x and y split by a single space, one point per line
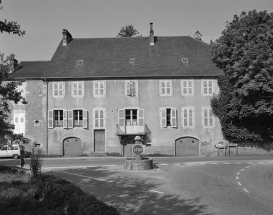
236 185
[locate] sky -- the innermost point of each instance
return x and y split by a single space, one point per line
44 21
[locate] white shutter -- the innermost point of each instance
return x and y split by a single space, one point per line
182 117
163 117
202 87
140 117
127 88
193 117
173 117
104 117
55 89
104 88
64 119
70 119
85 119
121 117
50 119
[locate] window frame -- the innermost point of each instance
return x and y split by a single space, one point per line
203 93
187 109
99 89
77 83
187 87
140 120
58 89
128 88
163 117
99 118
165 87
209 110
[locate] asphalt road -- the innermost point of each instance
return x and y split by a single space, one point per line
218 185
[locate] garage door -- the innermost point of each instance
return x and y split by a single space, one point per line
187 146
72 146
127 147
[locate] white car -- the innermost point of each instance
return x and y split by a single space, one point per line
10 151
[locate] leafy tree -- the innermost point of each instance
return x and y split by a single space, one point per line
245 53
128 31
8 92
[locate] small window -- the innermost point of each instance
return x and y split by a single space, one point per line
79 62
37 145
187 114
131 88
58 89
185 60
99 118
131 60
208 120
78 118
187 87
77 89
207 87
165 88
131 117
167 117
4 148
58 118
99 88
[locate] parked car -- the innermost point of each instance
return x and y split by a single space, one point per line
10 151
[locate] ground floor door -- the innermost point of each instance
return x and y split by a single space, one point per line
187 146
72 146
127 146
99 140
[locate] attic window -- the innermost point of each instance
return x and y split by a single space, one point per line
131 60
79 62
185 60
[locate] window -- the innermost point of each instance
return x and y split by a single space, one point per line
131 88
187 114
78 118
19 123
99 117
131 60
167 117
187 87
207 117
131 117
14 148
58 118
77 89
185 60
4 148
79 62
207 87
58 89
99 89
165 88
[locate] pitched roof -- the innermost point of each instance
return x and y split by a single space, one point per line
109 57
30 70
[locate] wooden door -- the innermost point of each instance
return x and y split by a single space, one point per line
127 147
187 146
72 146
99 140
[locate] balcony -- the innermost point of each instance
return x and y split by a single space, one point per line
132 130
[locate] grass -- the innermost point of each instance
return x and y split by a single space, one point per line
20 194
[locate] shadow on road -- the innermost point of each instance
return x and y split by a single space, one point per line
131 194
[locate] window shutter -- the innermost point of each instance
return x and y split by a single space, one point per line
193 117
173 117
133 88
70 119
121 117
104 117
141 117
104 88
85 119
63 89
162 115
191 84
55 89
127 88
182 117
64 119
95 118
202 87
160 87
50 119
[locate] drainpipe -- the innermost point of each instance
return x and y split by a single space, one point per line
46 117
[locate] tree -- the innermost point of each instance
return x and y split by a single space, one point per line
245 54
128 31
8 92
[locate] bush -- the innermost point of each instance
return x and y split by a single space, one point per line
36 161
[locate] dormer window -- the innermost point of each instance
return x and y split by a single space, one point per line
185 60
131 60
79 62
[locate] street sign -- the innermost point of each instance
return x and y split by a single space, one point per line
137 149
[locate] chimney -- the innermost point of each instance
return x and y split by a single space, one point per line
13 64
67 37
152 39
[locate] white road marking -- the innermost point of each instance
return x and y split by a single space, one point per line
246 190
155 191
237 177
164 164
226 163
99 179
247 167
242 170
238 173
239 183
213 163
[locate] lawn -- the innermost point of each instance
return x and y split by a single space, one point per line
22 194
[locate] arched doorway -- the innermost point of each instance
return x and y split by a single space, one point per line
186 146
127 146
72 146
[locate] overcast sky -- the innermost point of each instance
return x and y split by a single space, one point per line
44 21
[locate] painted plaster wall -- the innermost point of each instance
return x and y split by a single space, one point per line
34 92
161 139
